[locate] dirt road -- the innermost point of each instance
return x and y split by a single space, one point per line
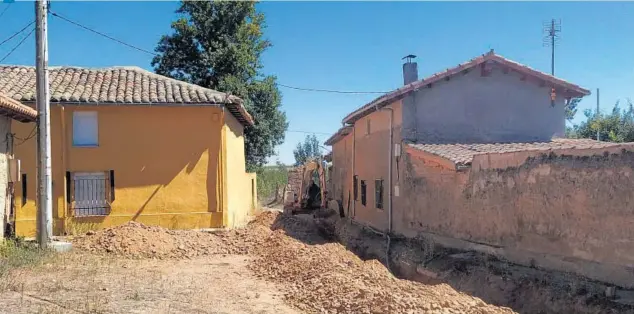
80 283
279 264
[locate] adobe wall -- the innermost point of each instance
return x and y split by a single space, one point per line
372 153
572 210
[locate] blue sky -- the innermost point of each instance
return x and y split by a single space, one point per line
359 46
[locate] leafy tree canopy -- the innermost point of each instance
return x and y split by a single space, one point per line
218 45
617 126
306 150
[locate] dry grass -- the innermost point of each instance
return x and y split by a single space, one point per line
16 257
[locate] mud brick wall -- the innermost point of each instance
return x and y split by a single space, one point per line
576 204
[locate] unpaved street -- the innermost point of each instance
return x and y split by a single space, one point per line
278 264
89 284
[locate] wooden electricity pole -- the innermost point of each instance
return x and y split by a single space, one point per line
44 173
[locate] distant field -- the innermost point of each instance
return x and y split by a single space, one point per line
271 178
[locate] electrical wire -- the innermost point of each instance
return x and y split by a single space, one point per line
16 33
307 132
5 9
156 54
330 90
18 45
102 34
28 137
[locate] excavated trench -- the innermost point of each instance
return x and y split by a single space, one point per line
498 282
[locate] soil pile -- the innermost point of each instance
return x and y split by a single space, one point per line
136 240
327 278
316 274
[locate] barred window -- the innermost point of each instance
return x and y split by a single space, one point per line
91 193
378 193
363 194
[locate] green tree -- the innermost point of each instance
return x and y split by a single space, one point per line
306 150
571 108
218 45
618 126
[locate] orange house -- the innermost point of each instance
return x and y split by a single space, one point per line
128 144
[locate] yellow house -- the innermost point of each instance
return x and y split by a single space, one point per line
128 144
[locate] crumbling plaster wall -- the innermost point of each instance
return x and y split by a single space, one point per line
571 203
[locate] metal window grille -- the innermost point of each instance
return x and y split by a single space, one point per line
378 193
363 194
91 193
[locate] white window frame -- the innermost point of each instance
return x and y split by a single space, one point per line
80 130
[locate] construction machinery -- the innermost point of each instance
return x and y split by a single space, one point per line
307 184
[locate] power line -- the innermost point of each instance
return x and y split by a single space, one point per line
17 33
104 35
156 54
5 9
28 137
18 45
307 132
330 91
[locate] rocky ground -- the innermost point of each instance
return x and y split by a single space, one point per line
314 274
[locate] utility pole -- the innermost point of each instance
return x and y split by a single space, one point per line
44 173
598 130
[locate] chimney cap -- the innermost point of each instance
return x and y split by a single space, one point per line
409 58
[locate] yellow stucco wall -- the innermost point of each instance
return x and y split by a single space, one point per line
166 160
240 197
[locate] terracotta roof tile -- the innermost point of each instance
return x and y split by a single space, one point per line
16 110
462 154
340 134
115 85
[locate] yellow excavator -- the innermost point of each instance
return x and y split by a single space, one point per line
311 192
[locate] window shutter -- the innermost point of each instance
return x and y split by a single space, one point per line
24 188
68 187
111 186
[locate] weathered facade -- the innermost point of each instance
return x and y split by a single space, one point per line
565 206
10 111
472 158
128 144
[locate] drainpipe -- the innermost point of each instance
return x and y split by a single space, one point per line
64 157
354 200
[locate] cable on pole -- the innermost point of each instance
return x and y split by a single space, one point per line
18 45
156 54
102 34
307 132
16 33
330 91
5 9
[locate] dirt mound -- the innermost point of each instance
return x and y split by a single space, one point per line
316 274
137 240
328 278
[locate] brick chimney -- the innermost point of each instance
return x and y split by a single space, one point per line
410 75
410 70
